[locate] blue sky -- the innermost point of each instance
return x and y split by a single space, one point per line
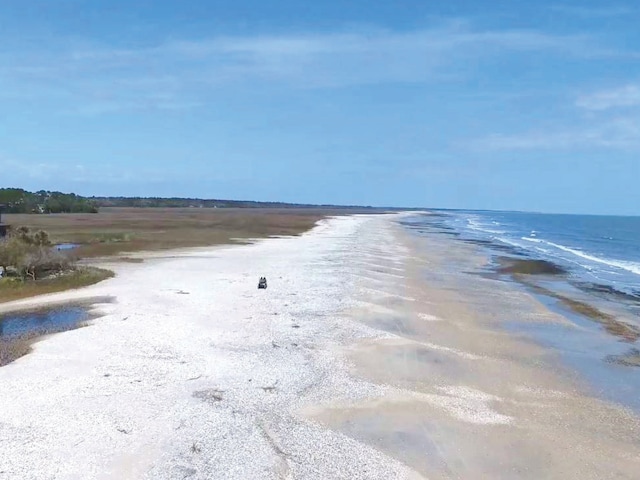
462 104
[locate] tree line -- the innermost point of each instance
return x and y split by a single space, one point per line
179 202
17 200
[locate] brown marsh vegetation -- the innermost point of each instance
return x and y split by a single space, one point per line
116 230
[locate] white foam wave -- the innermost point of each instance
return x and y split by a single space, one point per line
474 224
534 240
509 242
632 267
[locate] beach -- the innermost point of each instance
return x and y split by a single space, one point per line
372 354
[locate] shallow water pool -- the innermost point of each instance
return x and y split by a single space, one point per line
44 321
66 246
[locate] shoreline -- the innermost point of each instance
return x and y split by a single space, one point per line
371 355
589 309
468 389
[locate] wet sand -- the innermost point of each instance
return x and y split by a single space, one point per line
471 399
371 355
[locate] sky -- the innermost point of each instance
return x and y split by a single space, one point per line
411 103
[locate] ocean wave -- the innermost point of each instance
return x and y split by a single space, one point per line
509 242
474 224
632 267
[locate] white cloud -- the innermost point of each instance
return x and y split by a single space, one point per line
612 123
623 97
618 134
182 74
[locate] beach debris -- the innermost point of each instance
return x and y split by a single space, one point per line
262 283
185 472
283 469
212 395
271 388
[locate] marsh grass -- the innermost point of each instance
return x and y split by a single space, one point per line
114 231
77 278
130 260
109 237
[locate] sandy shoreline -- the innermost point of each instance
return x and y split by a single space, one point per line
471 399
353 364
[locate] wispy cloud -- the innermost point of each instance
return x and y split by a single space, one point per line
622 97
606 119
181 74
18 171
21 169
618 133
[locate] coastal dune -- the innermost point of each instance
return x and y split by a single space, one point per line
367 357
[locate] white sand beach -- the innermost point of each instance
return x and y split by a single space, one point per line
352 364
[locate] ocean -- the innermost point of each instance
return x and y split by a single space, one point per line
597 289
600 253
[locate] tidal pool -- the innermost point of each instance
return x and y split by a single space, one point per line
43 321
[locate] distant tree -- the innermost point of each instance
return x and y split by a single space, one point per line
21 201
